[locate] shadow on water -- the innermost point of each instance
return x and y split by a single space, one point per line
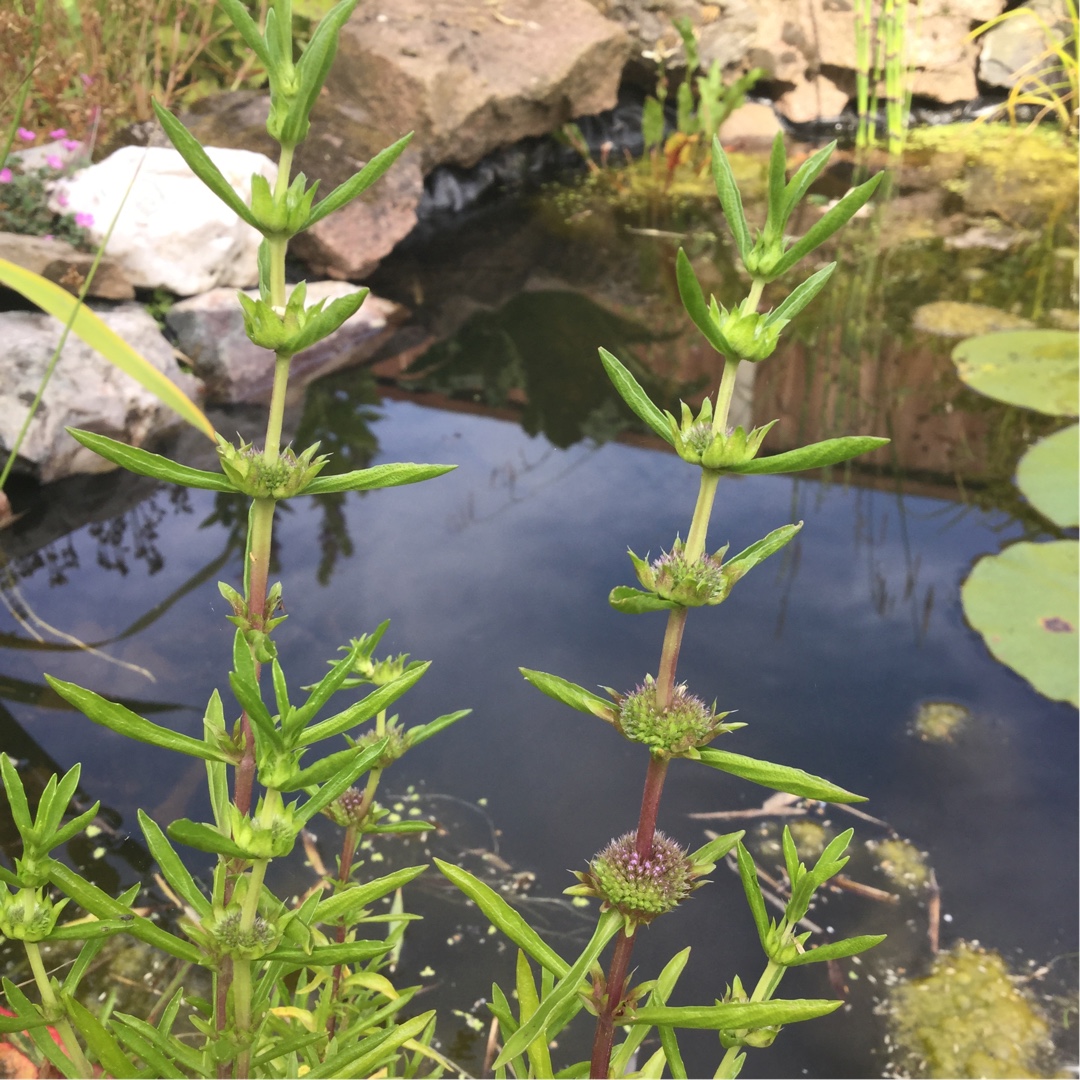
830 655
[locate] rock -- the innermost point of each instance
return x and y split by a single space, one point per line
173 232
210 332
60 262
1011 51
818 99
750 121
466 78
85 390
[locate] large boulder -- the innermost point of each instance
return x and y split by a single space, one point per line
171 231
466 78
85 391
209 332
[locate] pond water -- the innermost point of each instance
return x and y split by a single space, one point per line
828 651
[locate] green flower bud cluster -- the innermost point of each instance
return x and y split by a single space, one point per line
252 474
639 888
691 584
696 441
347 809
371 671
270 834
293 328
29 914
749 334
397 742
686 724
759 1038
286 217
228 936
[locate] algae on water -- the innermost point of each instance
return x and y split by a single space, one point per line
940 721
967 1018
901 862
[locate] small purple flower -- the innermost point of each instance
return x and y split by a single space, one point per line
48 236
84 221
61 199
5 176
25 135
87 80
54 162
58 133
71 145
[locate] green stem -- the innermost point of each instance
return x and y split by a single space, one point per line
699 524
241 988
727 380
52 1006
251 898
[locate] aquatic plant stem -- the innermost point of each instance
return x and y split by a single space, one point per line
600 1065
48 1000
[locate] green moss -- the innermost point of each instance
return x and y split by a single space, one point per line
902 863
966 1019
940 721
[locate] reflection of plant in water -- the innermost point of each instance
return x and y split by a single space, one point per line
540 343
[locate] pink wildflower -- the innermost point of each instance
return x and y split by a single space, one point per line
87 80
54 162
61 199
58 133
84 221
71 145
25 135
5 176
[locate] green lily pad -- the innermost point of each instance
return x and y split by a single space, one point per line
1025 603
1049 476
1035 369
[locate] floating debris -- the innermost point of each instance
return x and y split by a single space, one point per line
951 318
967 1018
940 721
902 863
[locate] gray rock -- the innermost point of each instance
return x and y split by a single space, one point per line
210 332
1016 49
85 390
60 262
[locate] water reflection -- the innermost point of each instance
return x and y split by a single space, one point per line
828 651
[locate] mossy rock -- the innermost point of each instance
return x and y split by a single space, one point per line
967 1018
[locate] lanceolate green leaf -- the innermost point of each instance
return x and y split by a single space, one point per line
838 949
329 791
777 777
200 164
577 697
731 200
249 30
752 888
631 392
176 873
352 187
609 925
804 176
131 725
59 303
694 301
830 223
349 902
144 463
103 1046
802 295
731 1016
352 952
633 601
814 456
204 838
378 476
505 918
749 557
364 709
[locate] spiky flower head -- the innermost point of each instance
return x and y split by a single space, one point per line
684 725
231 938
252 474
347 809
639 888
697 441
689 583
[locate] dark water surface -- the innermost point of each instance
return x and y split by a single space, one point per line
827 650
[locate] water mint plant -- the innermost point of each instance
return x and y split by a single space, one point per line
644 874
295 988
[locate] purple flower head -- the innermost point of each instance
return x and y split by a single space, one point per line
87 80
26 135
71 145
5 176
84 221
58 133
61 199
54 162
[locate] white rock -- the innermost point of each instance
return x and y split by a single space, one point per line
172 232
85 391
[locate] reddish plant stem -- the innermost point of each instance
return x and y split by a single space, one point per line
348 852
650 804
605 1022
669 656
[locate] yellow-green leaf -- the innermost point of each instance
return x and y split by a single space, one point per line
59 303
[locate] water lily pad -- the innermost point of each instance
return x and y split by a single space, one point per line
1049 476
1024 603
1035 369
951 318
